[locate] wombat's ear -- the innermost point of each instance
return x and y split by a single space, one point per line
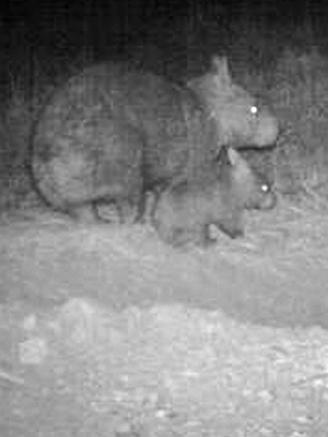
233 156
220 67
228 156
222 157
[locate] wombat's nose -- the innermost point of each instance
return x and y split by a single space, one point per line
268 133
270 201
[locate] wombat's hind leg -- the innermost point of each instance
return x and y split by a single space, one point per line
107 211
84 213
115 211
127 212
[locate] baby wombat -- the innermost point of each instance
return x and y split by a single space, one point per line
184 212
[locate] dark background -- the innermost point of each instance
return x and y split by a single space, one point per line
42 40
116 23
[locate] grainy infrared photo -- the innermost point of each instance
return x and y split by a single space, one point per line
164 218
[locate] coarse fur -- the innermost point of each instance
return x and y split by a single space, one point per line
112 133
184 212
83 178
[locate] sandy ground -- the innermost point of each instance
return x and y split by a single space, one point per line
106 331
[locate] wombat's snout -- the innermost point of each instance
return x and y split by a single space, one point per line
269 197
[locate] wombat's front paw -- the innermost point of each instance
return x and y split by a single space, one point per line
236 233
233 232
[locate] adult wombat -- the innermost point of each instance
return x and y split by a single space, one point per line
184 212
111 133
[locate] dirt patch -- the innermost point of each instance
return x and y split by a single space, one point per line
107 331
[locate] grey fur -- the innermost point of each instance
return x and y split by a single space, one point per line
184 212
111 133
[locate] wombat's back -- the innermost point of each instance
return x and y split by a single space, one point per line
178 136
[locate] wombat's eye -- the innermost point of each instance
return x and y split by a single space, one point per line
265 188
254 110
